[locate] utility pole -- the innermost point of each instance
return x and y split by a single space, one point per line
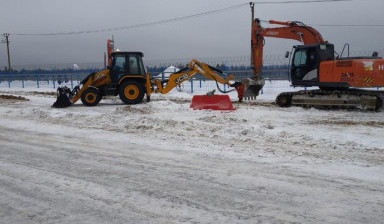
6 35
252 4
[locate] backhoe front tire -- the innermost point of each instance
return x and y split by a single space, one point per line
131 92
90 97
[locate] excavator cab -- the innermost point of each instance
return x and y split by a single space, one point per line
306 62
126 64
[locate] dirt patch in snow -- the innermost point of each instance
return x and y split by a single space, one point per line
234 102
132 109
34 93
349 123
43 93
11 98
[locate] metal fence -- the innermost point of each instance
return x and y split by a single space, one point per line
41 80
196 85
71 79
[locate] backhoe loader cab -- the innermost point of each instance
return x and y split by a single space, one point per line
126 63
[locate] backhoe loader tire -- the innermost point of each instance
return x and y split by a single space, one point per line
90 97
131 92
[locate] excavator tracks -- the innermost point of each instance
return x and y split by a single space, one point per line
333 99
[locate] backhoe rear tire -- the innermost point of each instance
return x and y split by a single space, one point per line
90 97
131 91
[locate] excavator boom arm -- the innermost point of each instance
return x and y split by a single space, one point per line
288 30
295 31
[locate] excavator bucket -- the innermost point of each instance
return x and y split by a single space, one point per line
215 102
252 88
64 96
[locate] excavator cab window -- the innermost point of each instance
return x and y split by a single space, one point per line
300 58
305 65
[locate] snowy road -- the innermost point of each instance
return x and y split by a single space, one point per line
161 162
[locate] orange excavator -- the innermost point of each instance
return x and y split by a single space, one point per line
343 81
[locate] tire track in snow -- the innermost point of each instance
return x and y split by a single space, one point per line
86 179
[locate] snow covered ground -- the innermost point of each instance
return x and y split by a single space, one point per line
162 162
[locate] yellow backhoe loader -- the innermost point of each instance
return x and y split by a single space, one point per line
127 78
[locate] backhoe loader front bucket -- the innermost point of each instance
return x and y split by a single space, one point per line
252 88
215 102
64 96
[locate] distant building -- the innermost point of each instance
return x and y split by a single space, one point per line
167 72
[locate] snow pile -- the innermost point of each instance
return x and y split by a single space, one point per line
254 128
162 162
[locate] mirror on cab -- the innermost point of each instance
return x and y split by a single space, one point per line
287 54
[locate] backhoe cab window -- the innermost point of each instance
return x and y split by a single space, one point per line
300 58
128 64
133 65
119 63
136 66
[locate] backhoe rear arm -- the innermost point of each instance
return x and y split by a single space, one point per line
195 67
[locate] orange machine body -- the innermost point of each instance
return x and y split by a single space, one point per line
358 73
331 72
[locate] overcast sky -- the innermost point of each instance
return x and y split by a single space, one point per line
221 34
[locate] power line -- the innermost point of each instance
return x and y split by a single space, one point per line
309 1
351 25
139 25
174 19
337 25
